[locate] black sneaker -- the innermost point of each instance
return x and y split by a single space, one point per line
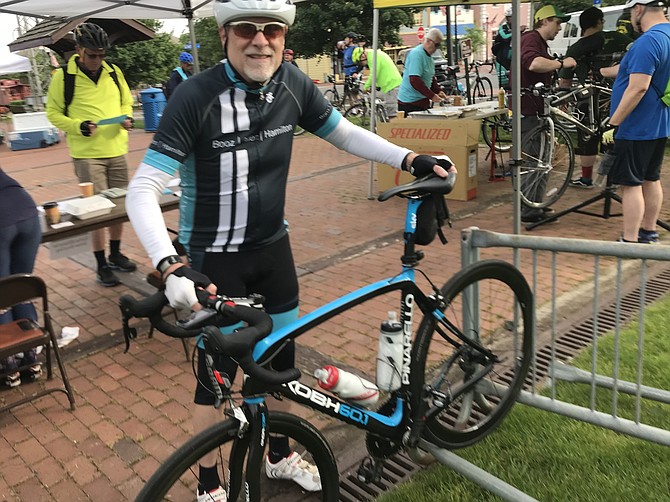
647 236
121 262
582 183
107 278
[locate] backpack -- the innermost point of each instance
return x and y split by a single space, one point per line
68 81
500 50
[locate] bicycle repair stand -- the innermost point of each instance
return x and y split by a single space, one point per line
607 195
494 161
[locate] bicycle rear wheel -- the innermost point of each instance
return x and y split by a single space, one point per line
177 477
482 90
546 168
489 303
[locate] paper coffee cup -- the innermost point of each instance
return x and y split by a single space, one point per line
86 189
51 212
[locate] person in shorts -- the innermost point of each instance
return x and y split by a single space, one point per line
641 121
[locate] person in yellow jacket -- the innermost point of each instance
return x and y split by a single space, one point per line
84 93
388 77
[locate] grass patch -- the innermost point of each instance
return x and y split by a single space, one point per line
553 458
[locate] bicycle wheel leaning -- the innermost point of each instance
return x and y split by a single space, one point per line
177 477
482 90
547 165
503 125
491 304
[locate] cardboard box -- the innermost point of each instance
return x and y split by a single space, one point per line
457 138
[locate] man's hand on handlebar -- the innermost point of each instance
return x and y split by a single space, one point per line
181 285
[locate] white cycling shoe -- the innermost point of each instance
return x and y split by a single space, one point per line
218 495
296 469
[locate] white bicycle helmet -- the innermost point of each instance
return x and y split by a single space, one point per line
226 11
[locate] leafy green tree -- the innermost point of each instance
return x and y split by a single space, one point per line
320 25
210 51
477 38
149 62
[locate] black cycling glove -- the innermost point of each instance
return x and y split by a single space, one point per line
422 165
83 127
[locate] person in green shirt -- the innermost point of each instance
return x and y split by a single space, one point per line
592 52
388 77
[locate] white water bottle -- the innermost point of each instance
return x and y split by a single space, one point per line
389 354
347 386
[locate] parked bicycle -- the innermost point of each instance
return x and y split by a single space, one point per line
350 94
481 88
550 169
360 113
460 372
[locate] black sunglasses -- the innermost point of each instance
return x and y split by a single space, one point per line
94 56
248 30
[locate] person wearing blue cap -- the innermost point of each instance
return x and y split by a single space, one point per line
179 74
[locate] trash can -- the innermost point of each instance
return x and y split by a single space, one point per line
153 103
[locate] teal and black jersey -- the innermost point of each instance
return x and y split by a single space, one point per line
231 145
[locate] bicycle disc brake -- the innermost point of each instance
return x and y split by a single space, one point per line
379 447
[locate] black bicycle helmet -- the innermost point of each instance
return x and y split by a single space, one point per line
91 36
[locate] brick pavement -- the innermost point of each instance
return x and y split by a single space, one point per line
133 409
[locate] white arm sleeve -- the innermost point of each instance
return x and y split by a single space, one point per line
358 141
143 208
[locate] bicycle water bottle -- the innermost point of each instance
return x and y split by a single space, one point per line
389 354
348 386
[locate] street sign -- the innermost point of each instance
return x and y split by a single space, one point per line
420 32
466 48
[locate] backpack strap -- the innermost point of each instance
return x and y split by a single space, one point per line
68 90
68 87
181 72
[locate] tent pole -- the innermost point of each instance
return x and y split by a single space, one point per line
516 118
373 94
194 46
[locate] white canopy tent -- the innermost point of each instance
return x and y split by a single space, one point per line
113 9
516 79
13 63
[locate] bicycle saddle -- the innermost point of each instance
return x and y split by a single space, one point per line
428 184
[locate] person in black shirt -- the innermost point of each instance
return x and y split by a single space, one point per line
179 74
590 52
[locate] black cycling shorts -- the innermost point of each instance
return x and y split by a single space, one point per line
637 161
269 271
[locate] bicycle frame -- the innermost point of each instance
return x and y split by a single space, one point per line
592 91
394 425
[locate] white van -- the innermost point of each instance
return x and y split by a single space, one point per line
570 30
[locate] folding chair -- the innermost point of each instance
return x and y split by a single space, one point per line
22 335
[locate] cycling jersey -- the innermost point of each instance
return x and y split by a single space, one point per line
231 145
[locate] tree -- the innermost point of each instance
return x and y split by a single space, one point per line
148 62
319 26
477 38
210 51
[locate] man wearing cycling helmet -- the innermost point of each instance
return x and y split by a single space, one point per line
388 77
179 74
97 90
641 121
288 57
350 68
230 137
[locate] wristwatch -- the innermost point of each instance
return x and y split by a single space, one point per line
167 262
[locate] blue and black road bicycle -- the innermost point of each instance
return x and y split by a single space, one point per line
467 350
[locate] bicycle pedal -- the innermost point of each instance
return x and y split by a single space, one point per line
370 470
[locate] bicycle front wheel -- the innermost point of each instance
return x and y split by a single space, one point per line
490 304
177 477
332 97
482 90
547 165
